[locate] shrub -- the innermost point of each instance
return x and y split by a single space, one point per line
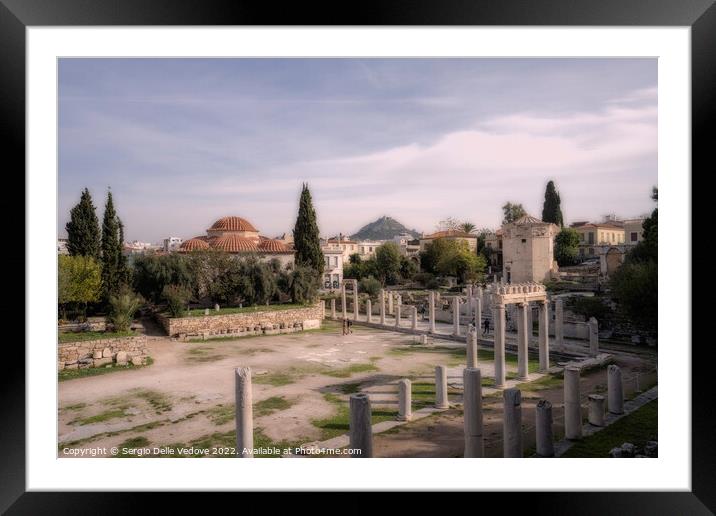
123 305
423 278
370 286
590 307
177 299
304 284
79 282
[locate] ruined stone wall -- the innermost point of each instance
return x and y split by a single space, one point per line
250 323
98 353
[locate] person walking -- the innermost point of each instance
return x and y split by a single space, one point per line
486 325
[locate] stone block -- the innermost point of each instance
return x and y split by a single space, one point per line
99 362
97 353
121 358
106 353
137 361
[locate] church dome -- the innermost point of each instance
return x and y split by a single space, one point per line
273 246
194 244
233 224
234 244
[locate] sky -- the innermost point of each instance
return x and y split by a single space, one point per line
183 142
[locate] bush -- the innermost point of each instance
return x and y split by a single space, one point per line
423 278
370 286
79 283
304 284
177 299
123 305
590 307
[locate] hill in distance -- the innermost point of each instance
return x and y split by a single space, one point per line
385 228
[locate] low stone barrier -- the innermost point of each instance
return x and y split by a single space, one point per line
101 352
269 322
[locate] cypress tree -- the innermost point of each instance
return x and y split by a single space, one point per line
111 250
551 210
83 237
306 236
124 272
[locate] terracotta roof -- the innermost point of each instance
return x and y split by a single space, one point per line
235 244
450 233
194 244
233 224
528 219
600 225
274 246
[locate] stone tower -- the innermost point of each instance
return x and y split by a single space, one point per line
528 250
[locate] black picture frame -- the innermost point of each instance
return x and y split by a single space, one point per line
16 15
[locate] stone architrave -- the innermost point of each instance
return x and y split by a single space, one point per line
499 322
431 312
405 411
382 306
522 341
474 443
545 437
368 310
390 303
596 409
471 346
343 302
360 430
593 336
512 424
414 317
559 323
397 315
244 413
572 404
441 394
543 336
355 300
333 308
456 316
615 390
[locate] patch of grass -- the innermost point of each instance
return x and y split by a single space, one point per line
102 416
71 374
158 401
636 428
423 394
135 442
271 405
221 414
77 406
79 336
348 388
202 354
276 379
199 312
347 372
339 423
546 382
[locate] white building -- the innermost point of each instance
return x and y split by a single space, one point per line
333 270
62 246
172 244
633 231
366 248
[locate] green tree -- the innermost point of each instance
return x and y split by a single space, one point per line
408 268
306 235
467 227
111 250
83 236
462 263
434 251
387 261
123 304
354 258
79 282
304 285
512 212
370 286
151 273
566 247
177 299
551 209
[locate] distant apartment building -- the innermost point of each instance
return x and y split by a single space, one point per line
172 244
137 247
450 234
341 243
366 248
333 269
633 231
62 246
593 235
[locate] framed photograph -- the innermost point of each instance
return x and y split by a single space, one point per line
424 236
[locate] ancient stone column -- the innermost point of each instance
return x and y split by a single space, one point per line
414 317
596 410
480 293
478 312
572 405
397 315
543 336
355 300
543 420
615 390
559 323
343 301
593 336
390 303
441 393
405 411
368 310
512 423
472 404
522 341
333 307
529 324
360 431
499 320
382 306
431 311
471 345
244 413
456 316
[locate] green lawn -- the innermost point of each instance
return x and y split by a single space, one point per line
78 336
199 312
339 423
636 428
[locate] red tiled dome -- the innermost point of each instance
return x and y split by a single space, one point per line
234 244
233 224
273 246
194 244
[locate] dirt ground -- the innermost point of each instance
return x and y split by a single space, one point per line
301 384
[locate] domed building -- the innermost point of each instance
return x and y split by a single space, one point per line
238 236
